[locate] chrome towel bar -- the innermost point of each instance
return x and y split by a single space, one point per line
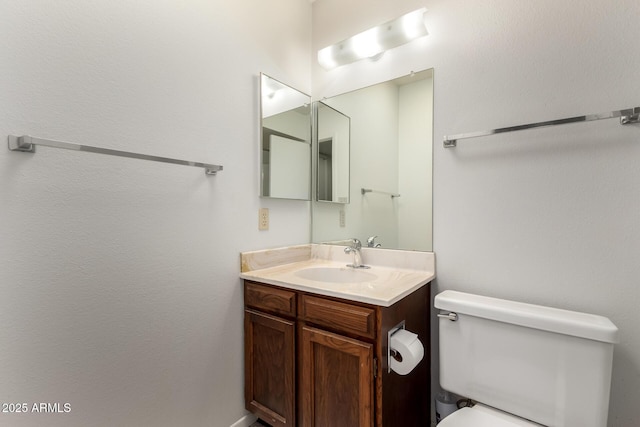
28 144
368 190
627 116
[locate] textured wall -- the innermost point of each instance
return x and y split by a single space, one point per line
119 289
118 278
545 216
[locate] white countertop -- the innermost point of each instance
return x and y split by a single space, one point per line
393 275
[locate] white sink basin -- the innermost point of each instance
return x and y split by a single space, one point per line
336 275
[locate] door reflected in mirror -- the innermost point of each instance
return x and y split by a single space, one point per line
333 134
285 140
391 150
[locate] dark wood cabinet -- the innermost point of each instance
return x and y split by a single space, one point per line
317 361
336 380
270 367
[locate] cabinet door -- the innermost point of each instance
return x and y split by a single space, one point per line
336 380
270 368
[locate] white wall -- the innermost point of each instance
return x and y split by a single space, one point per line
546 216
119 289
415 171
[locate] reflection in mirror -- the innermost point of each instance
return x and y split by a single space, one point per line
285 141
333 132
391 154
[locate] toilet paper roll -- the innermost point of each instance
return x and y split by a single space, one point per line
409 351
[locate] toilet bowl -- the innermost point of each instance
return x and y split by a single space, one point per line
525 365
484 416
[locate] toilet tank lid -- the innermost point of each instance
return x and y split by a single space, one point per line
551 319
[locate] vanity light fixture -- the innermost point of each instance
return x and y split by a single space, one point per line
374 42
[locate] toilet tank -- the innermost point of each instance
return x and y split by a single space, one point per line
544 364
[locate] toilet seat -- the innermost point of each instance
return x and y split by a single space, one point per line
484 416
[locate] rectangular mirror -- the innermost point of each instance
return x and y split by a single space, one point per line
391 150
285 139
332 136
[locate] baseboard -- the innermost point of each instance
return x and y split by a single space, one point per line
245 421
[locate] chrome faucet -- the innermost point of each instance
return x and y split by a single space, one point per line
355 247
371 242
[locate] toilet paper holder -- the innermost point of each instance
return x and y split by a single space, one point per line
390 352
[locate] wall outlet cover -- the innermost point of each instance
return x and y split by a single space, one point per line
263 219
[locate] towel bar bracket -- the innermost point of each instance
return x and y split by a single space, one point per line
631 116
450 143
21 143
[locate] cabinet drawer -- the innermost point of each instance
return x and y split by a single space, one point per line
271 299
337 315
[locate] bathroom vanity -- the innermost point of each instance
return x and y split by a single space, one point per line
316 352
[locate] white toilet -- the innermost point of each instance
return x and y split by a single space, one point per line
525 365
